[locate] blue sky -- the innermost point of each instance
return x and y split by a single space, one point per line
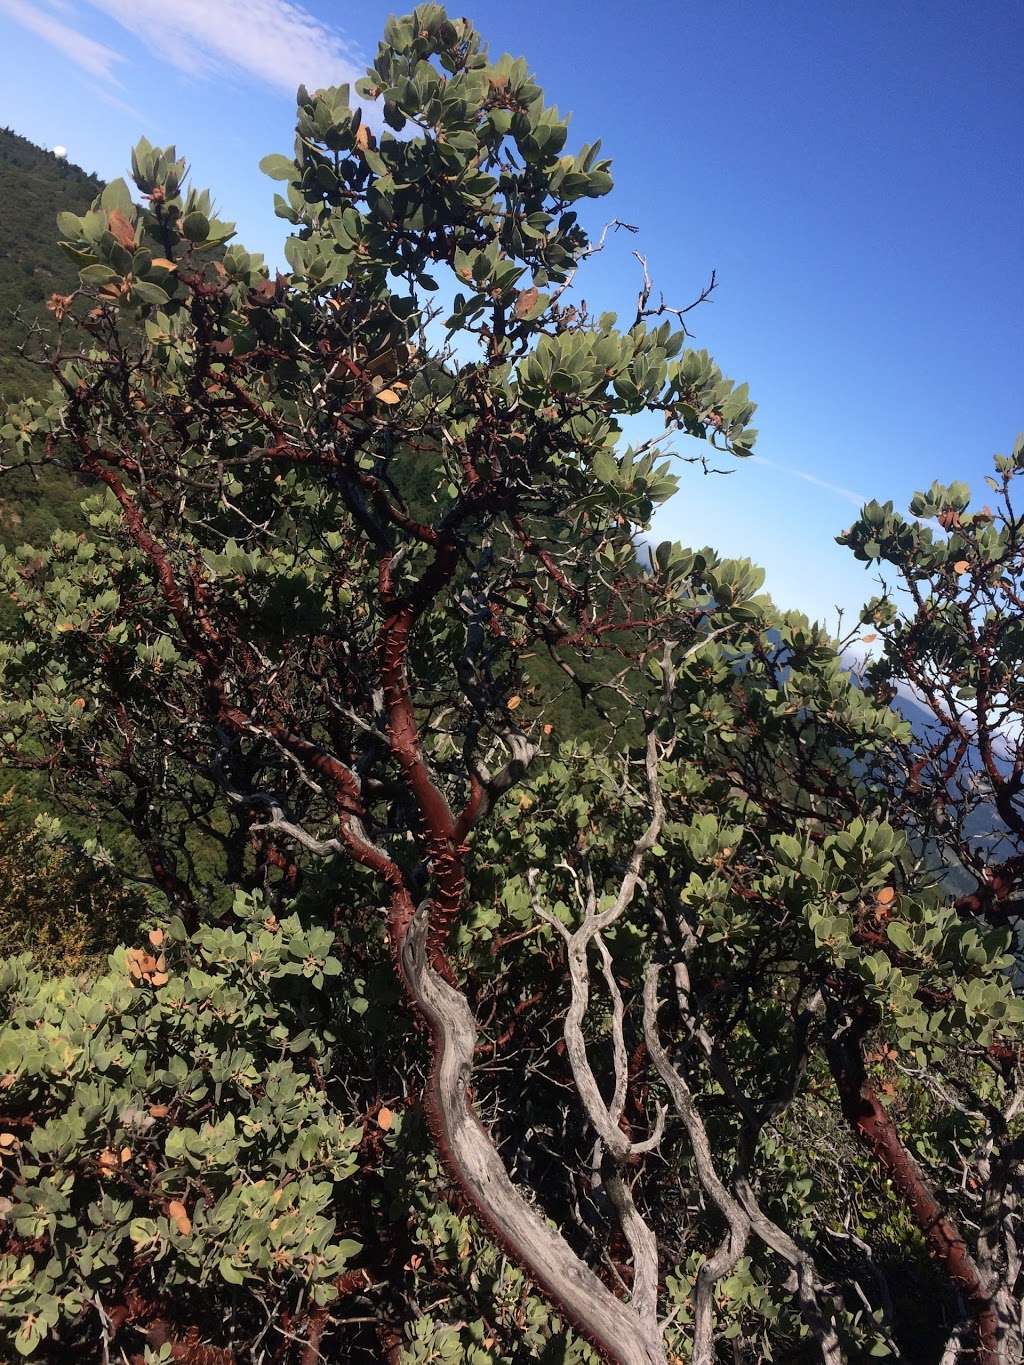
852 171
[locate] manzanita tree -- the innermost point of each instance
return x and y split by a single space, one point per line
949 620
357 536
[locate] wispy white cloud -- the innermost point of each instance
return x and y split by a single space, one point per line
107 96
275 41
92 56
858 499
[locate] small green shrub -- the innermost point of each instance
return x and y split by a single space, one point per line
177 1154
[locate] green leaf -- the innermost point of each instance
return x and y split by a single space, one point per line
149 293
116 195
279 167
605 468
899 934
98 274
229 1272
29 1335
196 226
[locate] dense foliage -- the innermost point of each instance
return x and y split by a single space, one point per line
444 1031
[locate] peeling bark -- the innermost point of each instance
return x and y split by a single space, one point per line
873 1125
470 1156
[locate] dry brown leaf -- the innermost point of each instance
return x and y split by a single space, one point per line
120 229
178 1214
548 729
388 396
156 937
513 702
886 896
158 1111
159 979
961 566
164 263
525 301
384 1118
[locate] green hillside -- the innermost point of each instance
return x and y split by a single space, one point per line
35 186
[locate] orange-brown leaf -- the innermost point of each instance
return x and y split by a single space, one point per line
120 229
384 1118
961 566
178 1214
886 896
525 301
513 702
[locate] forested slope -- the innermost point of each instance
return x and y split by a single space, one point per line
35 186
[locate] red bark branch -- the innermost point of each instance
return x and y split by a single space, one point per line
874 1126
